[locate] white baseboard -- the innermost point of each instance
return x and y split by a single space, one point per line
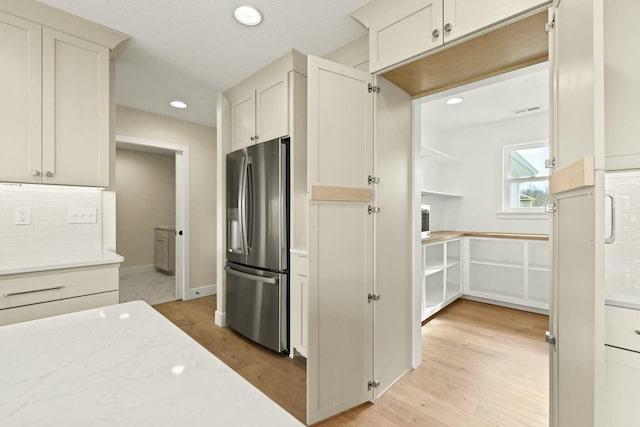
134 269
203 291
221 319
506 304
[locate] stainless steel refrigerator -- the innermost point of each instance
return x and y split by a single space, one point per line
257 284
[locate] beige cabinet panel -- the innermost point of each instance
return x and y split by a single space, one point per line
20 103
243 121
621 393
408 35
464 17
75 102
272 109
340 359
54 308
622 84
340 126
299 305
340 154
261 113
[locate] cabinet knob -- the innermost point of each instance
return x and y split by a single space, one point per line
252 138
49 174
256 137
435 33
35 172
447 27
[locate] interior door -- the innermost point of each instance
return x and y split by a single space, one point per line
340 147
577 187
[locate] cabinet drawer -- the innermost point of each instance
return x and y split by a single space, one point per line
299 265
54 308
622 328
32 288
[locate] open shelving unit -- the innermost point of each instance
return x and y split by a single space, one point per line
437 159
442 275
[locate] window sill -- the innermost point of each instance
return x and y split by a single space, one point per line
522 215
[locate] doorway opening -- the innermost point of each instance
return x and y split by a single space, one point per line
166 246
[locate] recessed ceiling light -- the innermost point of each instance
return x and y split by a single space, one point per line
454 100
178 104
247 15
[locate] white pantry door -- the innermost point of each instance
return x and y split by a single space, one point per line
577 182
340 159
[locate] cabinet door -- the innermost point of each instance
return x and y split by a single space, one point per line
621 393
622 84
243 121
463 17
340 130
161 253
577 306
407 30
20 103
75 110
272 109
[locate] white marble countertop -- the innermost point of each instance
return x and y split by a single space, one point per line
121 365
29 263
165 227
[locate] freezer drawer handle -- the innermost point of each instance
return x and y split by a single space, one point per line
269 280
11 294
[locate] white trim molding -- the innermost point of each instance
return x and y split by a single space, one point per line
221 318
181 153
202 291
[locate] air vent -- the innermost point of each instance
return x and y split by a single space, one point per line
527 109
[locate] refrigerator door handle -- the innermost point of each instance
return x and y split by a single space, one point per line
242 203
612 237
251 208
262 279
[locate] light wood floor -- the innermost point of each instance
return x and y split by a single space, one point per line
483 365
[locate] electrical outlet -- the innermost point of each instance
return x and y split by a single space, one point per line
82 216
23 216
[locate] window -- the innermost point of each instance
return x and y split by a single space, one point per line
526 179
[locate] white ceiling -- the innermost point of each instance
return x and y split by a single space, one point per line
192 50
491 100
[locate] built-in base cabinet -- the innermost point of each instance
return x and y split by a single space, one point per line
442 279
622 366
512 272
29 296
299 304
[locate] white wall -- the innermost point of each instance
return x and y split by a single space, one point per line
479 176
201 141
49 231
145 198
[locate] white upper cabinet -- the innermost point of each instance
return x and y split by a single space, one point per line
621 85
75 105
54 109
261 104
20 103
261 112
400 31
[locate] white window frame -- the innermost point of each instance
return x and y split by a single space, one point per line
505 205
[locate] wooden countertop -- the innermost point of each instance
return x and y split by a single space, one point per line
440 236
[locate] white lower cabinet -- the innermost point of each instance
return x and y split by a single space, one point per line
512 271
442 275
622 366
28 296
298 303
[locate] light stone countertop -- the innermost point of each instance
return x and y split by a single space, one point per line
54 261
121 365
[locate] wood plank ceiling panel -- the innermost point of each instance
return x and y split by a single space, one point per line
508 48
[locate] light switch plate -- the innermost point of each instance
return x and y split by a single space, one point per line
83 216
23 216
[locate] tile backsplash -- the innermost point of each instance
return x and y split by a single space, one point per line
49 230
623 256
